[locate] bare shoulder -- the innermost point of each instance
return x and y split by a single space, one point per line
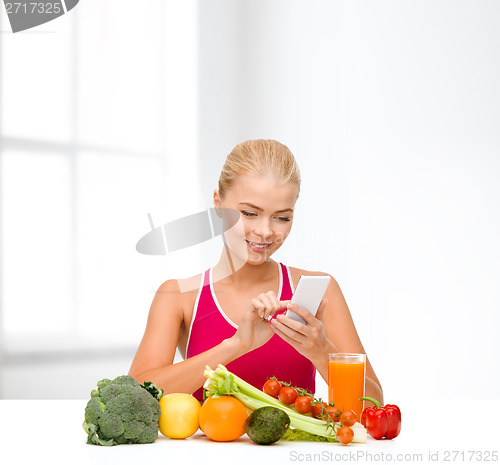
180 295
180 291
189 286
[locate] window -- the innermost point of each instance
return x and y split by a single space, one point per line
97 117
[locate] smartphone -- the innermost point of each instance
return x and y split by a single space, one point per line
308 294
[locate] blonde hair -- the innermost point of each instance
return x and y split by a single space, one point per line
259 157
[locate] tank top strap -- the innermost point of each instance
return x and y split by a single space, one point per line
287 283
204 306
204 296
205 300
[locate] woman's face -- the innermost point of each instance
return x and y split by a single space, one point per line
266 216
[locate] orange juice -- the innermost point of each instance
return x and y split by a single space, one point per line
346 381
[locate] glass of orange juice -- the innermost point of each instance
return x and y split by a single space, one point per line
346 381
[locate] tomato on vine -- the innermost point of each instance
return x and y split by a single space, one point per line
317 410
345 434
333 412
272 387
348 418
303 404
288 394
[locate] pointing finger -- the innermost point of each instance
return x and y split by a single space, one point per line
302 312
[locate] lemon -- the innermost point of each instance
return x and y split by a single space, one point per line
179 415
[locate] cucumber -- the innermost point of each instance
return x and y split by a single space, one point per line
267 425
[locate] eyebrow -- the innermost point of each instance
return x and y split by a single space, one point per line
260 209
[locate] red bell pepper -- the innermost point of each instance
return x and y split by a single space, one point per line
381 421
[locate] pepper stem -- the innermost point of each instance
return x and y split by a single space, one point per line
371 399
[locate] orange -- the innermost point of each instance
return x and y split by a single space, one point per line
223 418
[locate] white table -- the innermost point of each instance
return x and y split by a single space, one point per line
35 430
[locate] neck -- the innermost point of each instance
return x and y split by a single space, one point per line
242 274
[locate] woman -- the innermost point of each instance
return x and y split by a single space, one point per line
235 314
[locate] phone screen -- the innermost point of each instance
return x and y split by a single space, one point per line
308 294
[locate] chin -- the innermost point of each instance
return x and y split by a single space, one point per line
259 258
243 257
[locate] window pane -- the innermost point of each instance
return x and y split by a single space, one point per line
37 81
120 74
36 243
115 283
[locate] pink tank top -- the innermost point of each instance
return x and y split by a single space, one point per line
210 326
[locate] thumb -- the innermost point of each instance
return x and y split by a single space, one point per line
321 309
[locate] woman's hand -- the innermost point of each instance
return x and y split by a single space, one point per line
309 340
255 329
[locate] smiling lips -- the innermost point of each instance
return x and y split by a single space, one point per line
258 247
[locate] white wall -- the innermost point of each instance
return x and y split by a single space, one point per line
392 110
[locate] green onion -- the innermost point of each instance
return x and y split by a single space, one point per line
221 382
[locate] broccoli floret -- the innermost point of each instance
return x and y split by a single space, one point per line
148 434
124 380
122 411
111 425
133 429
94 409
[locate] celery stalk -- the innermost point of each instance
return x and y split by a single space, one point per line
222 382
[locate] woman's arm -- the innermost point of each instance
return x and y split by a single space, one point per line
332 330
155 355
187 376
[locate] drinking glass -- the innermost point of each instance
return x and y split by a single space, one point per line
346 381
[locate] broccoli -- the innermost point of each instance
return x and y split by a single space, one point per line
122 411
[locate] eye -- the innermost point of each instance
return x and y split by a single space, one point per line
248 213
284 218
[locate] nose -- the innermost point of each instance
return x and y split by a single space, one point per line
262 228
